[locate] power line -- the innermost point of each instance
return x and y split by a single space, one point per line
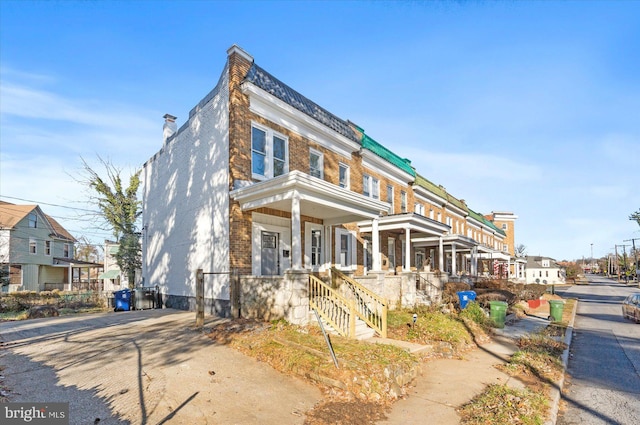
45 203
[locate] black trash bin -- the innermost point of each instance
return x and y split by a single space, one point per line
145 298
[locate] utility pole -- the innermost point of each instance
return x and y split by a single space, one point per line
591 258
635 254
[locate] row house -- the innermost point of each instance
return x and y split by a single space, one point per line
265 192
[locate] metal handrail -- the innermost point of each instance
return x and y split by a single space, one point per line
430 288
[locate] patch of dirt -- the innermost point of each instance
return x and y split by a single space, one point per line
343 412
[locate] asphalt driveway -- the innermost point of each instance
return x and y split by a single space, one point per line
144 367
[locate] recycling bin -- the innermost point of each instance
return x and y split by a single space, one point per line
122 300
498 312
465 297
555 308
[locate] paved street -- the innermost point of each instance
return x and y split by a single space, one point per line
144 367
604 367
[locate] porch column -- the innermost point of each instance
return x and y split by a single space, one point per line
454 260
375 242
474 261
326 249
441 254
508 267
296 233
407 250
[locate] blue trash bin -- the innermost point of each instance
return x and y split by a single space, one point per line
465 297
122 300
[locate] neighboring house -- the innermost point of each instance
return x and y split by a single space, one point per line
38 252
544 270
113 278
264 190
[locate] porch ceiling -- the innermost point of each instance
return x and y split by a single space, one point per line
415 222
462 243
318 198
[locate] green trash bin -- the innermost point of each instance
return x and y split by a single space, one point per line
498 312
555 309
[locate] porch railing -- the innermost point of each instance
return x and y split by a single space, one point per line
370 307
335 309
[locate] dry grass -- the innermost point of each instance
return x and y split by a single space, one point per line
500 405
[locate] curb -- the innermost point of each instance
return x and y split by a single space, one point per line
556 391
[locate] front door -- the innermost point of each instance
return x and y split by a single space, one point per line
270 260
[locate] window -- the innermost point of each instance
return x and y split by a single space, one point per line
33 220
269 153
368 256
66 251
504 226
545 263
440 217
391 253
418 208
390 197
33 247
316 247
345 250
316 164
403 201
370 187
431 213
344 176
505 247
47 247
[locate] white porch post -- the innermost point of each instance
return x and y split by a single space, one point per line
441 254
296 233
509 267
375 248
407 250
327 247
474 261
454 260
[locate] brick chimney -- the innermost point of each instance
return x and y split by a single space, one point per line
169 128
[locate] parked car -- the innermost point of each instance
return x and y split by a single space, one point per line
631 307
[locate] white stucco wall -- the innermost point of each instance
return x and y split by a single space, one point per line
186 203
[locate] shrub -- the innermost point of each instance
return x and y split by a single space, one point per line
474 312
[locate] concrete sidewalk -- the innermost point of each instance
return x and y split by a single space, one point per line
446 384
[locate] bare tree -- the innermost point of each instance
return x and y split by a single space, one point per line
521 251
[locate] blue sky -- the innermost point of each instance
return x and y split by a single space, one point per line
528 107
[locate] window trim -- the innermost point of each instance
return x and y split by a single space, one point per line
320 156
370 186
33 246
390 201
48 247
403 201
351 251
270 135
33 220
347 174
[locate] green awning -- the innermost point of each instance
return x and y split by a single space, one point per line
111 274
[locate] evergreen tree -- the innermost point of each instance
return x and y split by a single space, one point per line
120 208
